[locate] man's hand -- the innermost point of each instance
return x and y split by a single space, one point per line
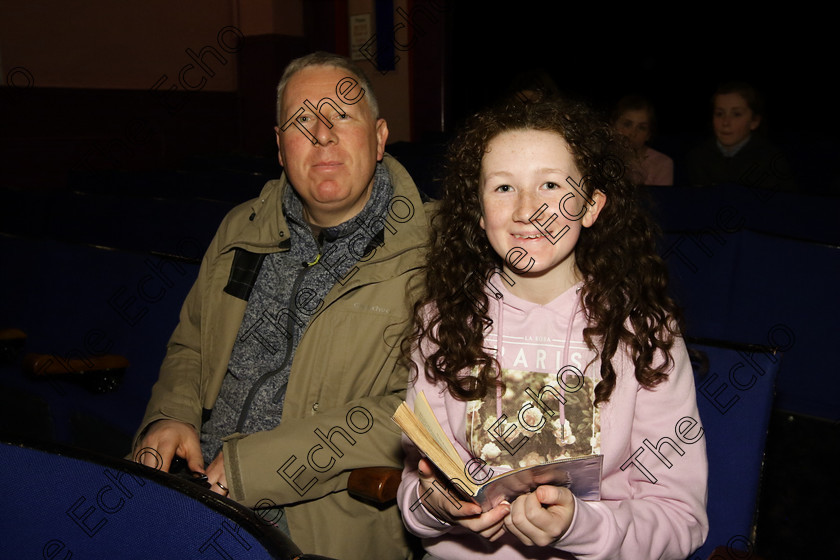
166 438
216 475
442 503
542 516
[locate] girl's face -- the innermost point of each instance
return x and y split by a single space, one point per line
635 125
733 119
532 215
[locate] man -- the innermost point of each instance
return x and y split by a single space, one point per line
282 373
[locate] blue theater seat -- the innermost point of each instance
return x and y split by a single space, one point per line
735 391
731 208
757 288
169 226
77 301
61 502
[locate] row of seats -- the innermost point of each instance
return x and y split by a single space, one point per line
77 302
68 503
173 226
756 288
731 208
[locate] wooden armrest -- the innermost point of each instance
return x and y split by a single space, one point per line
47 364
99 374
374 484
12 334
726 553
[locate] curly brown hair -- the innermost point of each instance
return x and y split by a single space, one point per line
624 291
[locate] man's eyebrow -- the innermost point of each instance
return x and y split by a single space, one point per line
295 110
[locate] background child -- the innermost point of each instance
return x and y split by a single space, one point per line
634 118
738 153
537 278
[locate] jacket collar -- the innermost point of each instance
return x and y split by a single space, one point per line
259 225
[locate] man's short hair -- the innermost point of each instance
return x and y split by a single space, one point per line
321 58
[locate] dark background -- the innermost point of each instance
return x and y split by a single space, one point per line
677 56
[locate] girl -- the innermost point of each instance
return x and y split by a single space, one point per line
545 332
635 118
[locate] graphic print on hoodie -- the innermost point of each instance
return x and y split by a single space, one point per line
547 407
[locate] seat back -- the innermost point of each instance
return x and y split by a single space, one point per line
77 302
762 289
735 392
61 502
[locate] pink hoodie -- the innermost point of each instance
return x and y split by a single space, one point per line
646 436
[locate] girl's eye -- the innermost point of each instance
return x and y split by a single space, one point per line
551 186
504 188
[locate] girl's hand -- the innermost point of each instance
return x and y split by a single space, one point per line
440 499
541 517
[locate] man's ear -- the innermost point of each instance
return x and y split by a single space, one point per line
593 210
381 138
279 150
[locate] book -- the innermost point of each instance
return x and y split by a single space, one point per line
582 475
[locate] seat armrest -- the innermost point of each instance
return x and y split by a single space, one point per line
47 364
99 374
374 484
726 553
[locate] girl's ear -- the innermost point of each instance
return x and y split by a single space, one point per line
756 120
592 210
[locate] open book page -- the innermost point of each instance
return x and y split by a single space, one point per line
449 464
423 412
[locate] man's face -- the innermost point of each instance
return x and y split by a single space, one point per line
334 177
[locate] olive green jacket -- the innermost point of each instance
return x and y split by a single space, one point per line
344 385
